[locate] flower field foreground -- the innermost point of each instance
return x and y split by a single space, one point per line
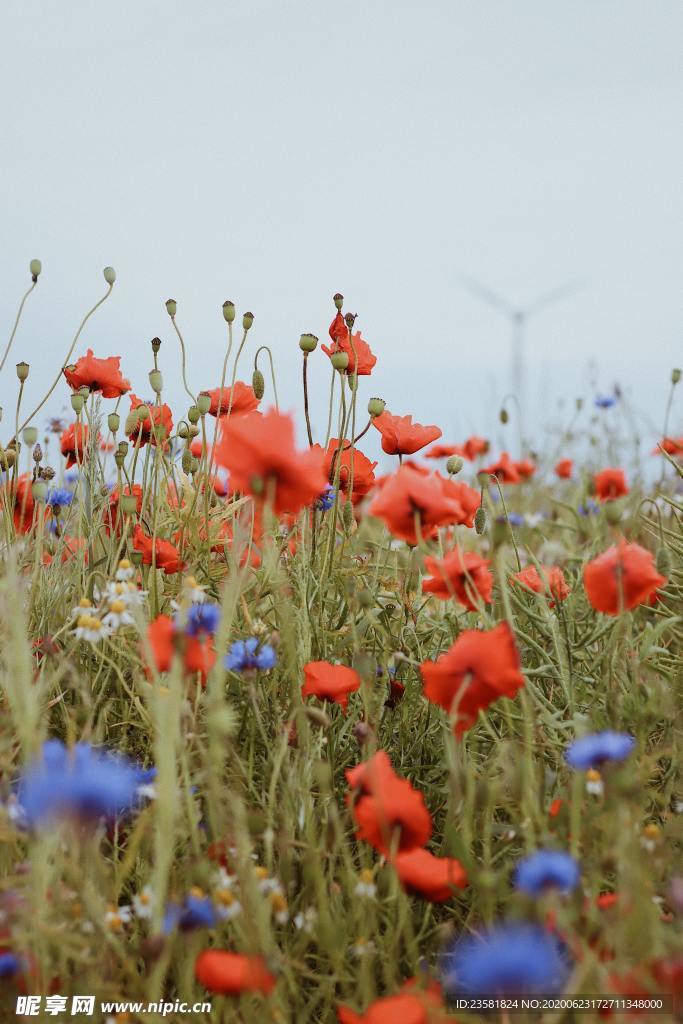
313 742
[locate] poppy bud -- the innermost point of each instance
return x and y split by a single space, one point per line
186 461
171 307
119 459
37 453
258 384
352 381
247 321
156 381
228 311
142 412
77 403
675 376
35 267
663 561
156 345
613 512
129 504
22 371
503 415
193 430
317 717
30 435
7 458
347 515
454 465
131 424
480 520
308 342
136 557
183 430
376 407
109 275
340 360
113 422
203 403
193 414
39 490
338 300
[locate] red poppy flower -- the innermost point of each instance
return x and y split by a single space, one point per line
505 469
473 447
466 496
462 575
330 682
166 556
621 578
113 518
259 452
400 436
433 877
198 653
410 492
610 484
564 469
363 468
102 375
339 333
242 395
443 451
231 974
159 422
412 1005
526 468
550 580
160 634
23 504
671 445
387 809
74 442
480 667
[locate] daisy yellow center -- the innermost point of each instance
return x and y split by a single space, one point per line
117 607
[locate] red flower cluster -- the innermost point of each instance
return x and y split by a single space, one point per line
464 576
621 578
348 463
339 333
198 653
73 443
103 375
550 581
389 813
153 429
162 552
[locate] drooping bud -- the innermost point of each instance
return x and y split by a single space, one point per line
35 267
77 402
156 345
39 490
340 360
156 381
109 275
663 561
22 371
171 307
350 319
503 415
228 311
308 342
454 465
675 376
258 384
338 300
613 512
193 414
203 403
113 422
480 520
30 435
376 407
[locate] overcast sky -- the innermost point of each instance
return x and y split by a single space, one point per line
274 153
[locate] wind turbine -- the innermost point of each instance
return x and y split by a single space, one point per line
518 317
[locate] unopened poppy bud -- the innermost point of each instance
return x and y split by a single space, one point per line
193 414
22 371
340 360
503 415
347 515
350 319
663 561
129 504
123 447
142 412
454 465
113 422
193 430
35 267
352 381
77 402
156 345
30 435
131 424
156 381
136 557
480 520
194 468
183 430
317 717
37 453
186 461
7 458
228 311
203 403
39 490
119 459
613 512
109 275
338 300
48 473
258 384
247 321
376 407
171 307
308 342
675 376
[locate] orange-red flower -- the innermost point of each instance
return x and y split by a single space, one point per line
231 974
159 422
23 504
466 496
166 556
610 484
411 1006
70 546
480 667
330 682
73 443
102 375
621 578
671 445
464 576
525 468
550 580
505 469
339 333
389 813
239 399
400 436
410 493
259 452
363 468
564 469
198 653
435 878
113 518
473 447
443 451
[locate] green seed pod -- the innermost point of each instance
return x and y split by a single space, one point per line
35 267
7 458
675 376
22 371
39 490
131 424
338 300
347 516
203 403
30 435
156 381
664 561
77 403
247 321
119 459
193 430
109 275
193 414
194 468
454 465
142 412
171 307
229 312
85 391
113 422
613 512
480 520
376 407
186 461
183 430
308 342
340 360
123 448
156 345
503 415
258 384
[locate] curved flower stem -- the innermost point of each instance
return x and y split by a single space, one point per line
306 412
330 407
507 520
182 354
16 324
265 348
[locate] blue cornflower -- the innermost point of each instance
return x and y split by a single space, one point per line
514 518
246 654
202 618
59 497
83 783
193 912
592 751
71 476
547 869
514 959
605 401
9 964
326 500
589 508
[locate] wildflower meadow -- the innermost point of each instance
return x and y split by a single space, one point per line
293 734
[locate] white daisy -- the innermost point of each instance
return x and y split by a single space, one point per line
118 616
90 628
143 903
